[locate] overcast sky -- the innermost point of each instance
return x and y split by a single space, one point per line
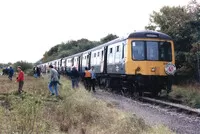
28 28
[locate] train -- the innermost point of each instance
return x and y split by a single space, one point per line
142 61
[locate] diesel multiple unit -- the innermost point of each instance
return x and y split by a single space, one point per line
141 61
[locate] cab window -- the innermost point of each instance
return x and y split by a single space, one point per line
138 50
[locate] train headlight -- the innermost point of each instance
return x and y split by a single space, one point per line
153 69
170 69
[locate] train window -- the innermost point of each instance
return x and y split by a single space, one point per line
110 50
152 50
98 54
165 51
138 50
94 54
117 50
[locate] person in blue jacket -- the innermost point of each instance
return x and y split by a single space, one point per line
10 73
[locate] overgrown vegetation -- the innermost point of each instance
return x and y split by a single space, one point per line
26 66
76 112
187 94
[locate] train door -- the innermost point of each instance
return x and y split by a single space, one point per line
101 60
80 63
89 60
72 61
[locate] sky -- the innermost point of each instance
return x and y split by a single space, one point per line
28 28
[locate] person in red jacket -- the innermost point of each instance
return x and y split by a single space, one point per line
20 78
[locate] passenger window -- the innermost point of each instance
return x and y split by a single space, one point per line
110 50
94 54
98 54
117 50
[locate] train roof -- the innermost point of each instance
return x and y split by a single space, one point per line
137 34
74 55
149 34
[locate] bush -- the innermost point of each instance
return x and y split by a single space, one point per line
29 72
25 65
189 95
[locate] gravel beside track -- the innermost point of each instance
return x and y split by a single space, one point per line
153 115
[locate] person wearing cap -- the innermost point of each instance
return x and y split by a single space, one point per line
20 79
53 80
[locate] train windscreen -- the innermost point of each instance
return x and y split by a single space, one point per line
151 50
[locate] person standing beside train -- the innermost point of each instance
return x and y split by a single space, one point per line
93 78
87 79
74 75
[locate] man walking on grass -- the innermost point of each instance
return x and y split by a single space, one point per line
20 79
53 81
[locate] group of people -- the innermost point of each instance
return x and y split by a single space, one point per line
89 78
8 71
37 72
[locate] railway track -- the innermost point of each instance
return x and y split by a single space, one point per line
170 104
173 106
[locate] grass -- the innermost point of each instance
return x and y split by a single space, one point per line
187 94
76 112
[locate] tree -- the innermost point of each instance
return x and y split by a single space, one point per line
108 38
174 21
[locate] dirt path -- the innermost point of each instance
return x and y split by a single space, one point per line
153 115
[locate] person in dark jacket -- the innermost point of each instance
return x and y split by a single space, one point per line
35 71
74 75
38 71
10 73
